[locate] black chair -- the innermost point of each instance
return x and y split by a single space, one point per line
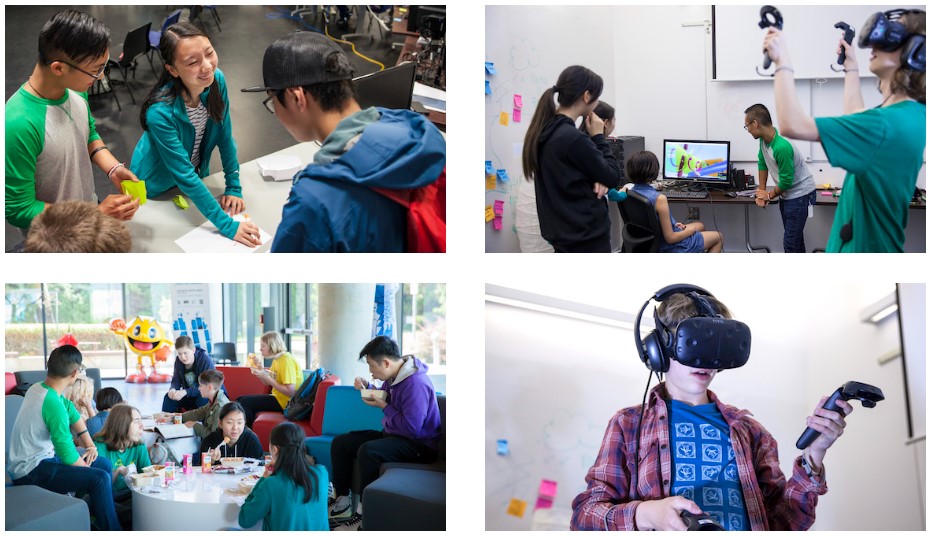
225 353
195 17
105 85
641 232
135 45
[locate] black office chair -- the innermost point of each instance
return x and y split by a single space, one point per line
641 232
135 45
224 353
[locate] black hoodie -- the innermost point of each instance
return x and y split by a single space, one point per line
569 164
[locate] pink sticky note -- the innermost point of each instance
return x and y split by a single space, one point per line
543 503
548 489
516 115
497 223
518 103
499 207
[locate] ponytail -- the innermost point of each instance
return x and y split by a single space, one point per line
545 111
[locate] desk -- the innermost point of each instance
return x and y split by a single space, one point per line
721 198
159 223
194 502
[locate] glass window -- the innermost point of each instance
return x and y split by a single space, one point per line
424 331
23 348
81 313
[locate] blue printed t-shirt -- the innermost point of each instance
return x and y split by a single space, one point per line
704 464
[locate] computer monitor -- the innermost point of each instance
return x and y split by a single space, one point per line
390 88
696 160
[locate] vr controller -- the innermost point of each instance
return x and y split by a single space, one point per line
769 16
701 522
849 38
867 394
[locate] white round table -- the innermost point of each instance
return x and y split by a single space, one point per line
195 501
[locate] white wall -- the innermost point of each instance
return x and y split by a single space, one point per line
552 384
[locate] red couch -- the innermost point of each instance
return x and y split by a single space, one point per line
266 421
240 381
10 382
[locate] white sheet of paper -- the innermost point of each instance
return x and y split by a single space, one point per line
206 238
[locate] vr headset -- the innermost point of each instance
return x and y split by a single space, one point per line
883 31
708 341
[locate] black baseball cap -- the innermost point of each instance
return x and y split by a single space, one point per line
301 59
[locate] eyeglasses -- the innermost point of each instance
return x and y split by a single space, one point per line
746 125
269 105
73 66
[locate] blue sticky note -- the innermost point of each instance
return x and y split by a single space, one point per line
488 88
503 176
503 447
490 68
489 170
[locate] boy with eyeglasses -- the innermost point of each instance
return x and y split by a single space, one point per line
51 139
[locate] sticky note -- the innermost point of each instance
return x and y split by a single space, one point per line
497 223
502 447
548 489
502 176
503 119
488 88
490 68
489 214
518 103
489 169
516 115
180 202
499 207
825 193
136 189
516 507
490 182
543 503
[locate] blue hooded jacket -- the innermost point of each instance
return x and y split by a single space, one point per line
331 207
202 362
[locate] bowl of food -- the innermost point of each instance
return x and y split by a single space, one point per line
374 394
154 469
248 483
142 480
231 462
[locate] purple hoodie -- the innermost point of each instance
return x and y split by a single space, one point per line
412 409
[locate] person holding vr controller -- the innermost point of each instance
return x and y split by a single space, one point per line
881 148
687 451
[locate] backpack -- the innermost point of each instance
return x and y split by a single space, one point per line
301 403
426 216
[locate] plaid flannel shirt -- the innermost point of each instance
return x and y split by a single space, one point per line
611 498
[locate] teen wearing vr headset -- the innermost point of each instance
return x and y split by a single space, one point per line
685 450
880 148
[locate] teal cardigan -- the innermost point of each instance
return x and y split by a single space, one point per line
279 503
163 156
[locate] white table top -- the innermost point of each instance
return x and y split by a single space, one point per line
198 487
158 223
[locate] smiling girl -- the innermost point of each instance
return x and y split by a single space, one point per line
185 116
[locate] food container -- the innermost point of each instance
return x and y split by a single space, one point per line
374 394
155 469
142 480
205 463
176 419
248 483
186 463
231 462
169 472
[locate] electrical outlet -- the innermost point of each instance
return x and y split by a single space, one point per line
693 213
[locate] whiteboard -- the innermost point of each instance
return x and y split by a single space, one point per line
530 46
810 34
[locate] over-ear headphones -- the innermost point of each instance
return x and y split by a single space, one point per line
885 32
708 341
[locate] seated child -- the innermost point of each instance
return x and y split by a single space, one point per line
206 419
294 495
411 426
232 439
642 168
81 393
76 227
698 454
106 399
120 442
190 362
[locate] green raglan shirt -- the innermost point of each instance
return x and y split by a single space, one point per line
46 153
42 430
881 149
137 455
279 503
786 165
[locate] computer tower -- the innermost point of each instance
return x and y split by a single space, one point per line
623 146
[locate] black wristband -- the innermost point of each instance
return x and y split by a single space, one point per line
83 432
94 152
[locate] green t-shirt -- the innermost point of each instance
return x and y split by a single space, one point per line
46 153
279 503
137 455
881 149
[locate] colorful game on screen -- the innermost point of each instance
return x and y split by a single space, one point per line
697 161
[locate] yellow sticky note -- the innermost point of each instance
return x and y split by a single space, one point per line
516 507
503 118
136 189
489 213
490 182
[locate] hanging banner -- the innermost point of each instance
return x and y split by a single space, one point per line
191 313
